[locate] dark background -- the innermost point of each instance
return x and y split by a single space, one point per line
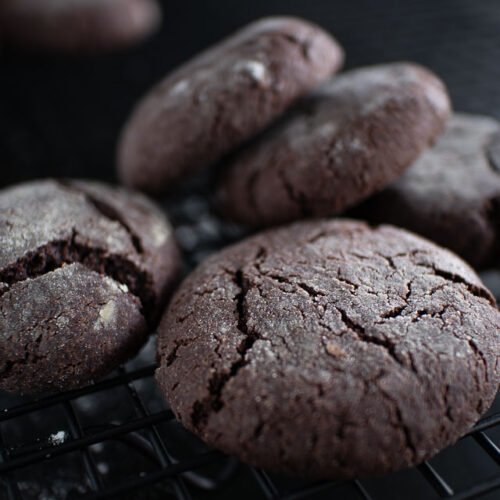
61 116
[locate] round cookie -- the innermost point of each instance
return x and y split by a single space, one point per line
341 144
77 25
329 349
222 97
85 270
451 194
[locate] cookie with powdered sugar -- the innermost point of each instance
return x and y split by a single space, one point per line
77 25
451 194
221 98
346 141
85 270
329 349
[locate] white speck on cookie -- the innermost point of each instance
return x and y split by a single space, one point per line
107 314
180 87
327 129
257 71
437 97
159 232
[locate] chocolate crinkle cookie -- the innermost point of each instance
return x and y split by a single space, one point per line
451 194
77 25
341 144
85 269
221 98
331 349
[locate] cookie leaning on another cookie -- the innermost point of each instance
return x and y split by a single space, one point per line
85 270
452 192
77 25
346 141
329 349
222 97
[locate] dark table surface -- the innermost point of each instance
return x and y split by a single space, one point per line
60 116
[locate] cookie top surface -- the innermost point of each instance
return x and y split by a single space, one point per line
66 328
83 268
375 346
341 144
452 192
222 97
77 25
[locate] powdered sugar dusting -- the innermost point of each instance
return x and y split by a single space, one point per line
180 87
356 145
378 102
374 87
115 285
159 232
343 148
438 98
62 321
327 129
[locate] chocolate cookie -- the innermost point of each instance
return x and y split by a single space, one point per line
221 98
77 25
452 192
330 349
84 270
345 142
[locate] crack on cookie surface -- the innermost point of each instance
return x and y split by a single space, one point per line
217 382
478 291
106 210
56 254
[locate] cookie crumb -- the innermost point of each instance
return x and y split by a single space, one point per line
103 468
107 314
57 438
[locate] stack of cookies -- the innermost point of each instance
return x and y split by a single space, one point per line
325 347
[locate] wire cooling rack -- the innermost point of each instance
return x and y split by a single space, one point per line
150 438
118 438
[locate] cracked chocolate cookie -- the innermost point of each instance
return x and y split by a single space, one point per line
221 98
330 349
341 144
85 269
452 192
77 25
